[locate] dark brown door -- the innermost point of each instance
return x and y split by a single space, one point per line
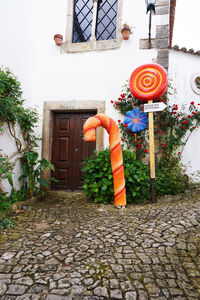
69 149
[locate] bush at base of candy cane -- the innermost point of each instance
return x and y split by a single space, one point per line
115 152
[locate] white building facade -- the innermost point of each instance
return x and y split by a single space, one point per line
77 78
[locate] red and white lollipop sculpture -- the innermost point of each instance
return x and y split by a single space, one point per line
148 83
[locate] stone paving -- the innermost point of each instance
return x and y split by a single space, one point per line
66 247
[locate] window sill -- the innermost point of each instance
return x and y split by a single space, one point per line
90 46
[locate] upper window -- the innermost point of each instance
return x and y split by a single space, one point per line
93 25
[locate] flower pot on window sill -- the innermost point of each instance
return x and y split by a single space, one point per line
125 31
125 34
58 39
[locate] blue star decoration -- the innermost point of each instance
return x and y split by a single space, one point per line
136 120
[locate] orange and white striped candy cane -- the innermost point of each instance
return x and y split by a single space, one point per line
115 152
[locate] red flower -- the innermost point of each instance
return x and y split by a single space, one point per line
116 103
122 140
119 121
159 132
164 145
175 107
141 141
179 153
192 103
134 142
145 150
119 99
125 125
166 155
183 127
175 112
194 113
122 95
198 104
189 116
195 127
166 123
139 145
111 101
127 131
185 122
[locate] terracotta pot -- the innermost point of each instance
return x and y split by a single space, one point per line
125 34
58 39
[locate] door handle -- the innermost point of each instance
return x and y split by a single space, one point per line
76 150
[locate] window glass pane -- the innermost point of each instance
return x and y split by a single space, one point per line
106 19
82 20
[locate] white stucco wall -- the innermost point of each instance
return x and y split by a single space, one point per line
27 47
181 68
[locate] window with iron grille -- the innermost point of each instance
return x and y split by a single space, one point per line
101 14
93 25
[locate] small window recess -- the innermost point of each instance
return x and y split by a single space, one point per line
195 82
92 43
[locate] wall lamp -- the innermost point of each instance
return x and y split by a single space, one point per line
151 4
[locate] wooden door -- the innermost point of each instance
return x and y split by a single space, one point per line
69 149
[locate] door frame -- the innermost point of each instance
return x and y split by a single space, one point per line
67 106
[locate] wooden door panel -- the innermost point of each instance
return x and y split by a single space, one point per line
69 149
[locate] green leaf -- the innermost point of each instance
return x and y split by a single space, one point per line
43 182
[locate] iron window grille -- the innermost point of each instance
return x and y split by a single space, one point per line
94 20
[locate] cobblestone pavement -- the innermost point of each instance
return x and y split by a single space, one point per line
66 247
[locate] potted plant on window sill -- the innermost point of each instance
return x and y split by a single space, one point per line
125 31
58 39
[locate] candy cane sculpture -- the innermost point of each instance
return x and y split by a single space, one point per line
115 152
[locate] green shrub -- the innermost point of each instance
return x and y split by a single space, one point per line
98 180
4 202
170 177
19 195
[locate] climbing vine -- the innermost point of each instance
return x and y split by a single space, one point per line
13 113
21 123
173 126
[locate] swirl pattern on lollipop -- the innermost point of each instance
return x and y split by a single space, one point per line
148 82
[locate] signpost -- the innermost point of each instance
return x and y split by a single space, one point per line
152 107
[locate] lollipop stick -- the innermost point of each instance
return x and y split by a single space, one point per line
152 153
